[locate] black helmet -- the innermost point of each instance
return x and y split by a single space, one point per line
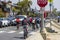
24 18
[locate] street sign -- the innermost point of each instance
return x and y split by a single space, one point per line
42 3
50 1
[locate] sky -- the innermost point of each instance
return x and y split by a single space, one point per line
55 3
34 4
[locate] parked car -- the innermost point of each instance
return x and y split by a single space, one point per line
12 22
21 17
0 22
4 21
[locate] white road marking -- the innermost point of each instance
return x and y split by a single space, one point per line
32 33
21 32
2 31
11 32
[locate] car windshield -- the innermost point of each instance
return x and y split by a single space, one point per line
10 18
1 18
20 17
4 19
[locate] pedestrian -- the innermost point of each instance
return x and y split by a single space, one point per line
41 26
30 20
24 23
37 21
58 19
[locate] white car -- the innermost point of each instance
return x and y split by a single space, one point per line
4 21
21 17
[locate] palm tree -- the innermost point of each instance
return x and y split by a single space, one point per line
54 11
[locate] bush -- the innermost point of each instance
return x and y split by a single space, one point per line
50 30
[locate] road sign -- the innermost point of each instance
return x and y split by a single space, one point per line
42 3
50 1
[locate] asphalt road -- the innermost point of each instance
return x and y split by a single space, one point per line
10 33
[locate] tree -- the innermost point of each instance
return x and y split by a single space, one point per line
23 6
54 11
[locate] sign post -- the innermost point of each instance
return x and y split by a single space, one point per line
42 4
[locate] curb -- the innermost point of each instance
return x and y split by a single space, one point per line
55 24
45 34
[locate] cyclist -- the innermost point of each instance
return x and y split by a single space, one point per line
24 23
18 22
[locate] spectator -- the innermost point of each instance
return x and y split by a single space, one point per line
18 22
37 22
33 24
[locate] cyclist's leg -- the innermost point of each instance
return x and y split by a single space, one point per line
17 26
25 31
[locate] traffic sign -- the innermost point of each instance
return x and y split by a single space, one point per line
42 3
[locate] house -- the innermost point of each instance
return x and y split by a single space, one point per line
5 8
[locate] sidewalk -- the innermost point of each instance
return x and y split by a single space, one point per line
53 36
36 36
49 36
57 25
55 21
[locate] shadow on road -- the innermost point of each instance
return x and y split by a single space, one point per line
19 37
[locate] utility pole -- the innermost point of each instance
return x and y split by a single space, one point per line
19 0
51 2
50 14
9 0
